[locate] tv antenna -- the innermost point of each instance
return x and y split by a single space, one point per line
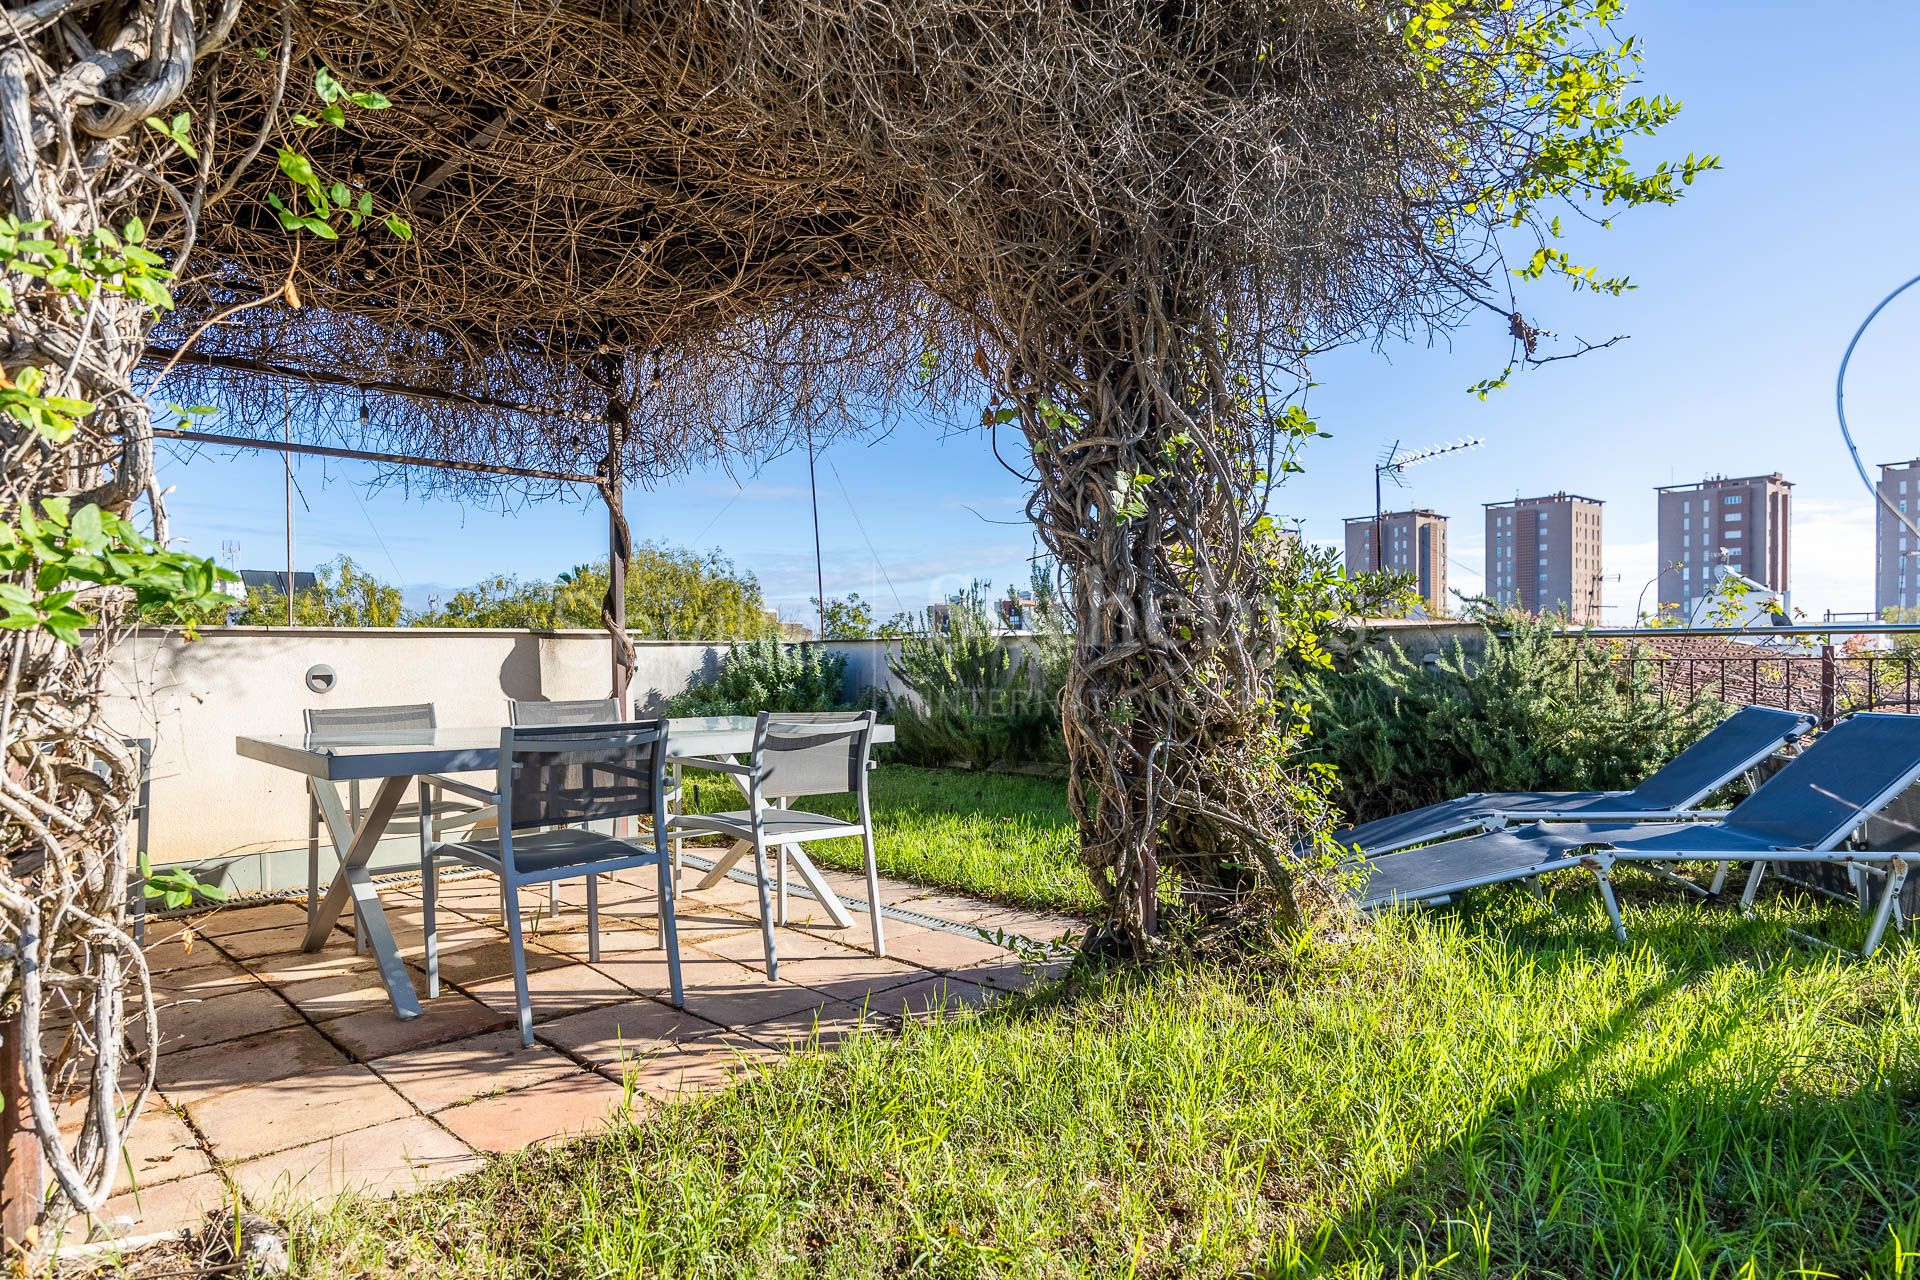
1394 463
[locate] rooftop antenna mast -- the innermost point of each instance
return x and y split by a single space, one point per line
1392 464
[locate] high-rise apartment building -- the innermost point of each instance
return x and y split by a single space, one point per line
1897 580
1740 523
1543 555
1412 542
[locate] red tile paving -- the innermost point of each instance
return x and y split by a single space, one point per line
285 1074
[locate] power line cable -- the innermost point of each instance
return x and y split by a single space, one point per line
871 549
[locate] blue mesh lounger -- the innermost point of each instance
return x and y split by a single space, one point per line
1845 777
1726 751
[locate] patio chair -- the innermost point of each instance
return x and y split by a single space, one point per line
578 711
417 717
550 780
1732 747
795 754
531 712
1838 783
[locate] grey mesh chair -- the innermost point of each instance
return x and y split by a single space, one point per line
324 722
795 754
549 780
409 718
532 712
578 711
1738 743
1837 785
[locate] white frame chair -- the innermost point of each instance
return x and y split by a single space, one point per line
793 757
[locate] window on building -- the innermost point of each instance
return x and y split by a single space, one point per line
1732 500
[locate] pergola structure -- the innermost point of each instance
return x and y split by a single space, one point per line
605 480
609 238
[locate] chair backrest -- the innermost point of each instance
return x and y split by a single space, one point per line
1722 754
564 775
812 753
531 711
1838 780
413 717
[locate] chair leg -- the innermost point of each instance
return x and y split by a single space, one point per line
313 855
358 816
553 897
429 893
670 934
679 841
766 907
522 1001
593 919
429 904
1752 890
873 890
1889 903
1604 876
1719 879
780 854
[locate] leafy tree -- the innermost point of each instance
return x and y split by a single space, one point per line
343 595
672 594
507 602
845 619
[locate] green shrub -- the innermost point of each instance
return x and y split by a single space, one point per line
977 699
1533 713
765 675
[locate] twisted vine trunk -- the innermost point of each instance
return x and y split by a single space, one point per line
1150 497
77 81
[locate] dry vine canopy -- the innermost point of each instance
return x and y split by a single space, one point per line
1125 226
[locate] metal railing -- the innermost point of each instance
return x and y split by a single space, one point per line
1822 674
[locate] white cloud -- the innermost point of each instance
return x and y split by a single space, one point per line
1832 546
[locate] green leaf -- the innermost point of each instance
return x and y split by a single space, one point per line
327 85
370 100
86 530
399 226
298 167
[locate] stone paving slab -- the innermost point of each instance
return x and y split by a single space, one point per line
285 1075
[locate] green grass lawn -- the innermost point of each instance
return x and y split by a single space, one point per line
1498 1091
1004 837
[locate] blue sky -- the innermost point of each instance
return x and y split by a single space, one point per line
1749 290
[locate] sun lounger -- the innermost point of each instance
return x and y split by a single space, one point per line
1726 751
1844 778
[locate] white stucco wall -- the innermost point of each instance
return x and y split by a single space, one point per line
194 697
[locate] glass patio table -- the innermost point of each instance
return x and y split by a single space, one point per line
395 759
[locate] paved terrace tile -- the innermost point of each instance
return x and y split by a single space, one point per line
284 1075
